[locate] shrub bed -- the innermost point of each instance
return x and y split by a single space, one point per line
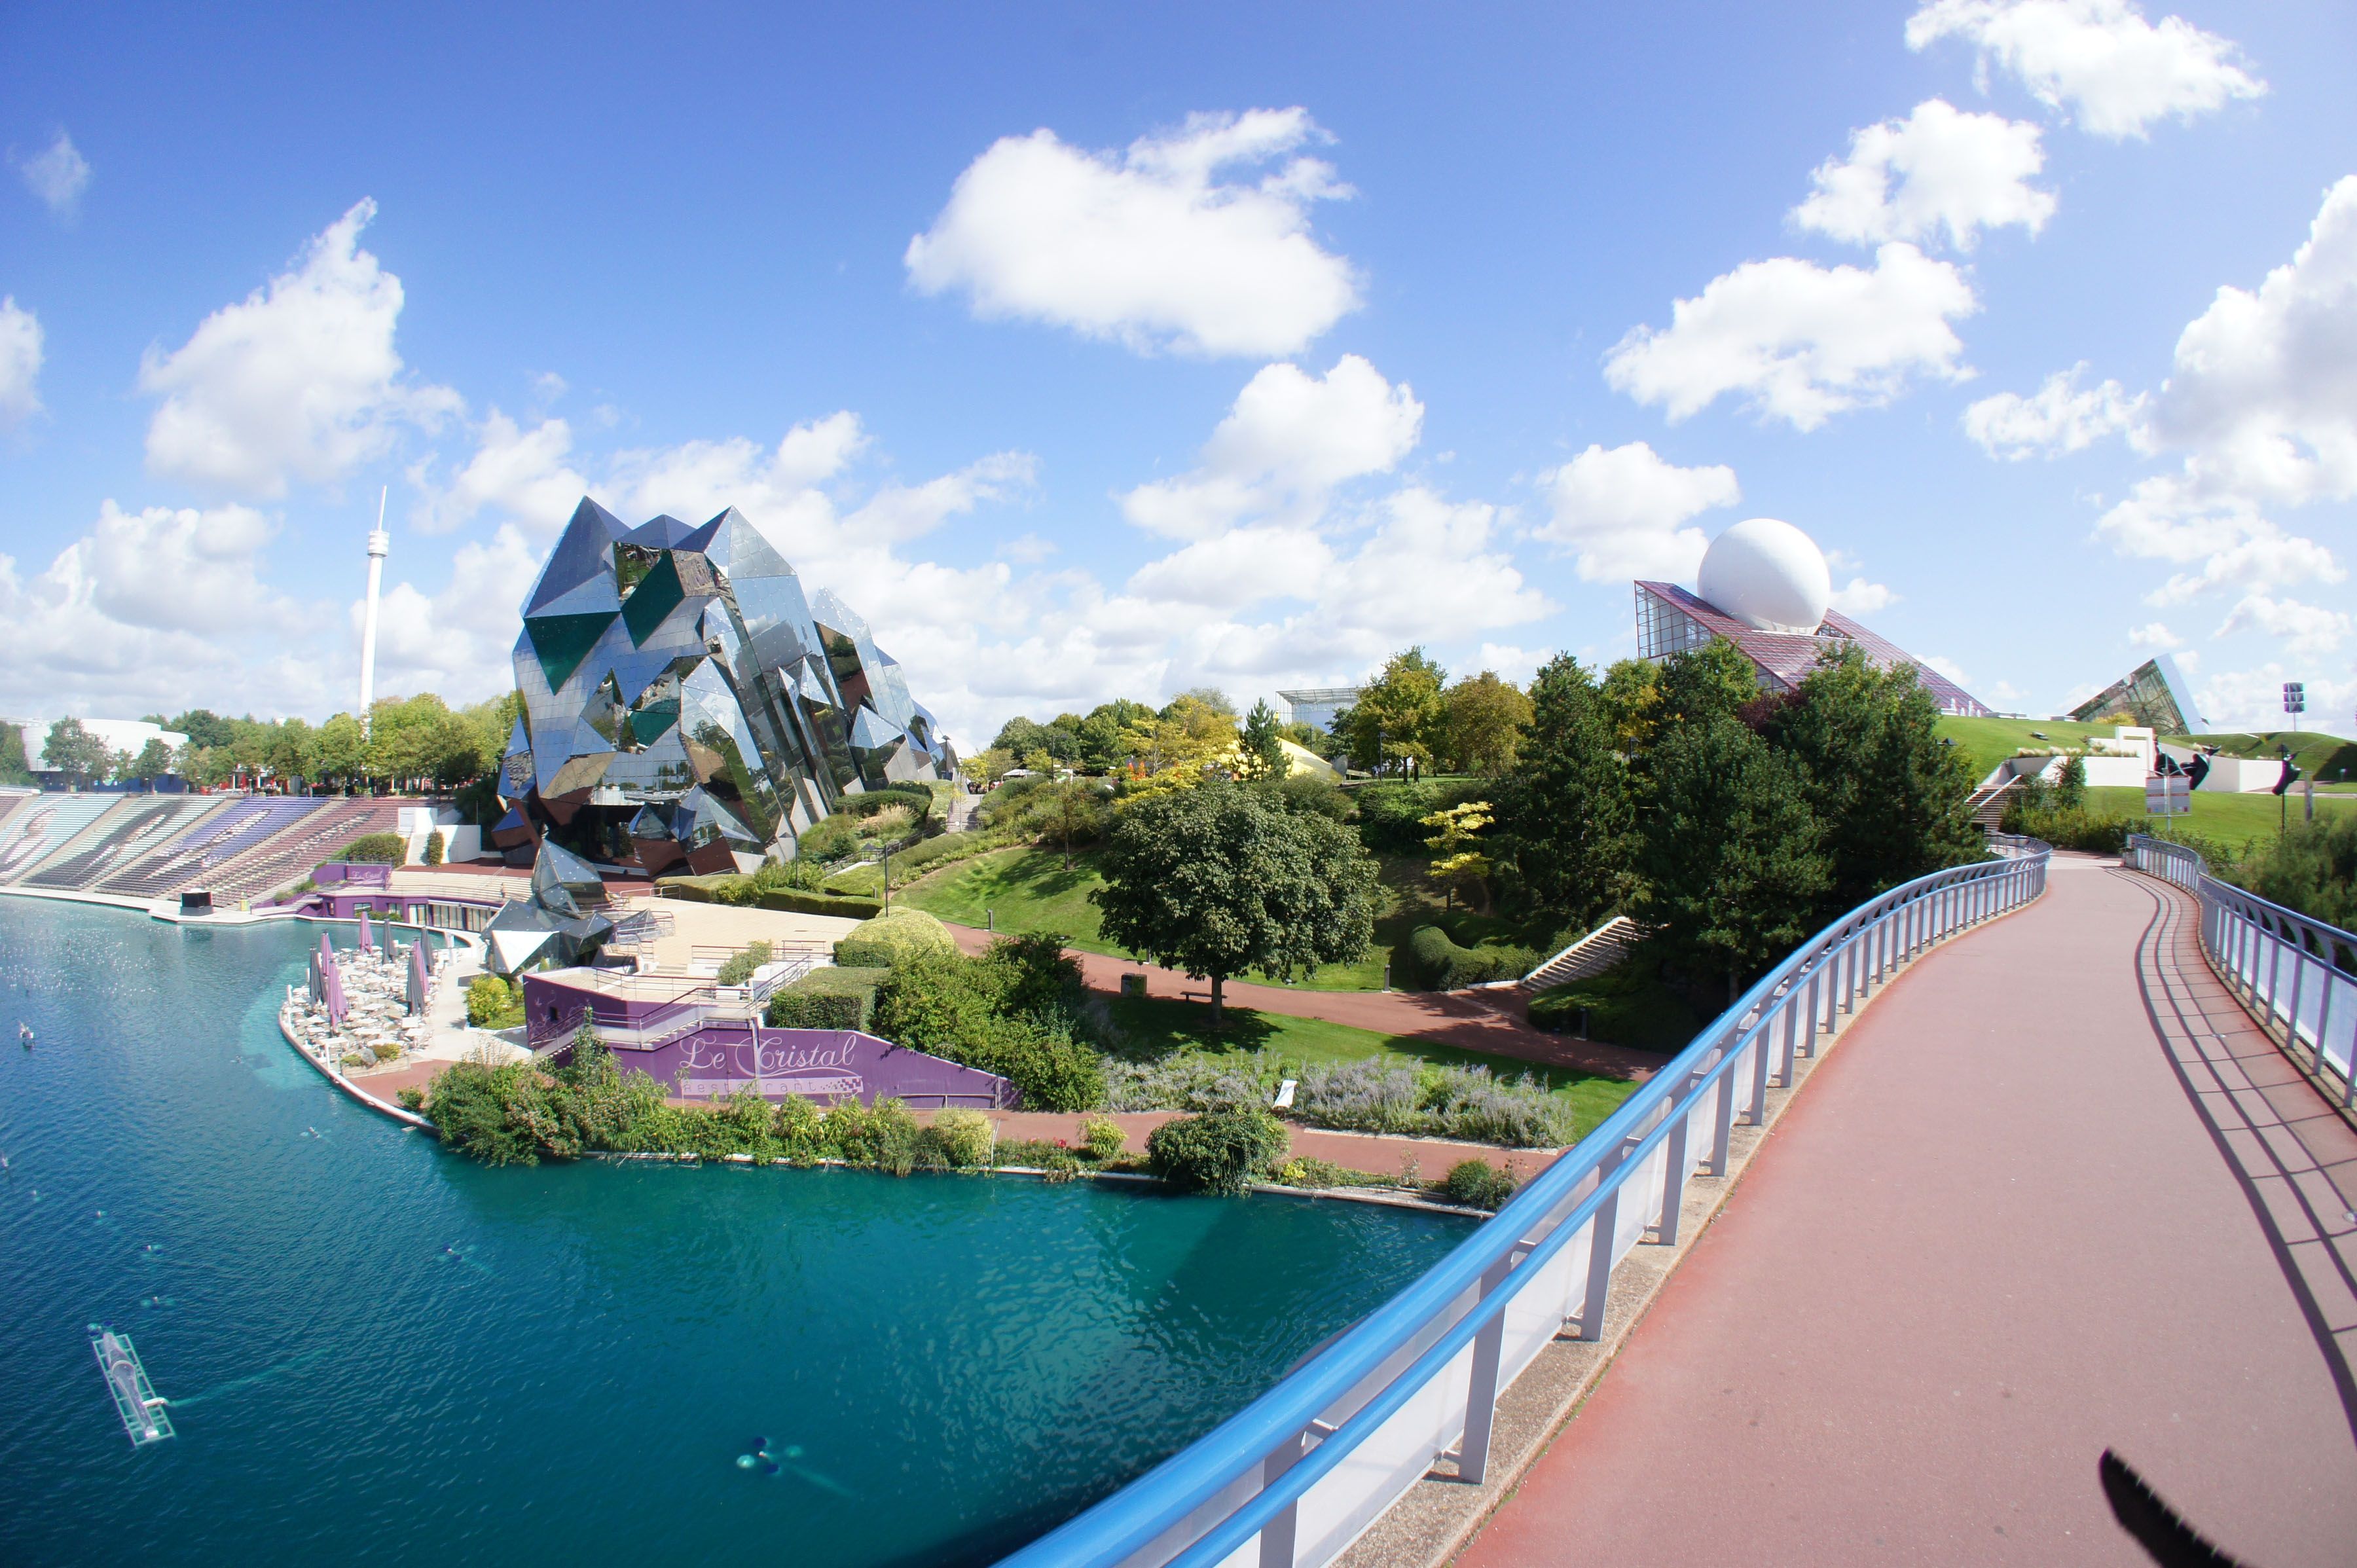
1008 1013
493 1002
1476 1183
1220 1151
1370 1095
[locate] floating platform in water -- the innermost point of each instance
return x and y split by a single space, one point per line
135 1400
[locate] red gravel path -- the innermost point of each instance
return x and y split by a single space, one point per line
2056 1193
1488 1021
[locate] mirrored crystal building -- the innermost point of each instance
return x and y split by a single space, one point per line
686 707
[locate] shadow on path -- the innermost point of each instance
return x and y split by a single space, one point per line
2294 1158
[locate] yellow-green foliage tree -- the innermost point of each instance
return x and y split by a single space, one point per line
1458 860
1399 713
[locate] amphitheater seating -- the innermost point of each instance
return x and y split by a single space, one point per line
213 842
285 858
38 828
141 823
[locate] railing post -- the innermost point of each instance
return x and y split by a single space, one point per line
1599 1252
1676 1165
1756 1113
1482 1392
1277 1537
1788 1012
1723 1116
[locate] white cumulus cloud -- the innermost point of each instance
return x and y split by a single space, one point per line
149 609
1800 342
1171 244
58 174
2262 403
298 380
2061 417
1624 508
2306 629
20 363
2155 635
2100 60
522 474
1939 172
1861 597
1289 441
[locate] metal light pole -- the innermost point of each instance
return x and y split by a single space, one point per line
2295 699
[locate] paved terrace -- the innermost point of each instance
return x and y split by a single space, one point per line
2118 1218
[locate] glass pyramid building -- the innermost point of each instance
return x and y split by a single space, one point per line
687 707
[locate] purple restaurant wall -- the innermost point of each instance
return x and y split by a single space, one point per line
710 1056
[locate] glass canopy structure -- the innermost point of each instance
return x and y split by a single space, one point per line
2153 695
687 706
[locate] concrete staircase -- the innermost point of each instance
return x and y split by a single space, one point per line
1594 953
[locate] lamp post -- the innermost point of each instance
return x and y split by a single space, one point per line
2295 699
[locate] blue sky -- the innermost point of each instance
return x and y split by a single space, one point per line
1096 351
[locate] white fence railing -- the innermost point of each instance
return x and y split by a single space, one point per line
2293 973
1297 1475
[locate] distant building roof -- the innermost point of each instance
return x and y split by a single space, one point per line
120 735
2153 695
1316 696
1670 620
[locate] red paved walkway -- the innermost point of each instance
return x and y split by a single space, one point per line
1472 1020
2054 1194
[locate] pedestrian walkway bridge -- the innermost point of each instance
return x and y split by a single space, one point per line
2079 1180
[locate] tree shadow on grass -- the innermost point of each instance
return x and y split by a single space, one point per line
1154 1027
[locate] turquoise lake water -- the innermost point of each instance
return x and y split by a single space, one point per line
378 1352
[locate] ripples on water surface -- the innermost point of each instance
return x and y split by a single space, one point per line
377 1351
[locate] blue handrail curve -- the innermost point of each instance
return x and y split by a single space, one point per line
1200 1506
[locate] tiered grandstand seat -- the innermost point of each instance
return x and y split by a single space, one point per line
213 842
143 822
38 828
8 802
298 849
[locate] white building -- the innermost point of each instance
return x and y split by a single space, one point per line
117 734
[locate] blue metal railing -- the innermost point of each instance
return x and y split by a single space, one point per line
2297 975
1297 1475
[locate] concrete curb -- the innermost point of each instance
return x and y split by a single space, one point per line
1435 1518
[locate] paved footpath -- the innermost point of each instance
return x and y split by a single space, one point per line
1491 1021
2054 1193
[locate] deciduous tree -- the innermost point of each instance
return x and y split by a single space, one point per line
1481 723
1398 713
1217 881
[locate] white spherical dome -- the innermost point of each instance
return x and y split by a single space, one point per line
1768 574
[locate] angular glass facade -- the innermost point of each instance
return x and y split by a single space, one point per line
687 704
2153 695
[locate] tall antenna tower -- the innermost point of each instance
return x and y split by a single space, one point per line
377 543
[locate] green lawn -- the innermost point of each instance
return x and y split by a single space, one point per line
2230 819
2323 757
1988 742
1029 890
1156 1026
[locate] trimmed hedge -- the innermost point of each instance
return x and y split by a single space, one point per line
890 941
721 888
376 849
847 905
1436 964
834 998
869 802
